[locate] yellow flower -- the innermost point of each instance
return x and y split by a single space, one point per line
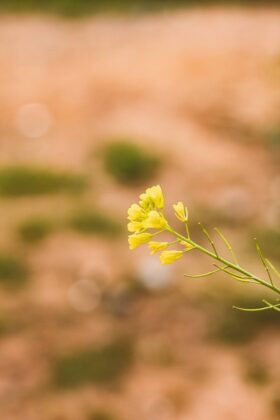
135 227
136 213
168 257
181 212
155 193
186 245
146 202
138 239
155 221
157 246
152 198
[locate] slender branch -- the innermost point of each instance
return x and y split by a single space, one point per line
259 251
275 307
187 229
210 240
243 279
227 244
226 262
263 308
196 276
276 272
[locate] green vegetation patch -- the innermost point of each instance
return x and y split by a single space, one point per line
13 272
74 8
257 374
101 414
233 327
19 181
238 327
87 221
272 139
275 406
128 163
11 323
100 365
34 229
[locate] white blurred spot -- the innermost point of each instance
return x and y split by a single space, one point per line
84 295
152 274
33 120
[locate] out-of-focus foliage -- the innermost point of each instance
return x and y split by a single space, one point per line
276 406
256 373
101 414
102 365
128 163
88 221
232 327
78 8
13 272
20 181
272 139
34 229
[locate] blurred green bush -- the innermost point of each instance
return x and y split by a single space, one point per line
256 373
7 325
237 327
128 163
13 272
272 139
18 181
88 221
233 327
34 229
79 8
101 414
275 403
101 365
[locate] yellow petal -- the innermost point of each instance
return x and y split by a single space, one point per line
181 211
155 221
136 213
156 195
146 202
168 257
138 239
157 246
135 227
186 245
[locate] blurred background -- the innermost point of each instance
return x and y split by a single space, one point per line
98 101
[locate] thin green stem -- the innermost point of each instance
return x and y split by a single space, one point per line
274 269
187 229
270 305
243 279
210 240
263 308
227 244
230 264
259 251
197 276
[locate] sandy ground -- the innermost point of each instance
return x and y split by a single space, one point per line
199 87
164 80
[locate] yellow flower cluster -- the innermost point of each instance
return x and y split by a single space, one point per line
147 214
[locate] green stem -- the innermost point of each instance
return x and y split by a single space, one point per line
187 229
234 266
